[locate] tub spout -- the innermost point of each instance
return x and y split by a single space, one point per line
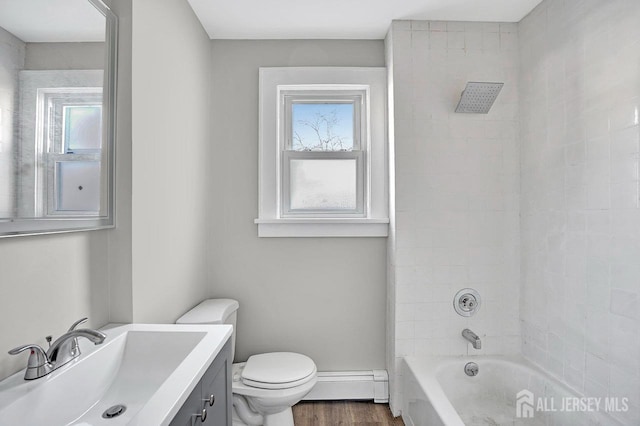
472 337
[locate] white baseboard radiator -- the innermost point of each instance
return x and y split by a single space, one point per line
351 385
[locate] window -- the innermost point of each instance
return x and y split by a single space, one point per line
72 150
323 152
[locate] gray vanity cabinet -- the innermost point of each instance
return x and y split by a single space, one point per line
191 406
212 395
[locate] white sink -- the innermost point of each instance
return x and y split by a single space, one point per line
149 368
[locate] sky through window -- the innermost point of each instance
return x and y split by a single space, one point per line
322 126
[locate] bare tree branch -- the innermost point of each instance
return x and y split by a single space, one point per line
323 127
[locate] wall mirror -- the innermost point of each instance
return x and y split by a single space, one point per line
57 116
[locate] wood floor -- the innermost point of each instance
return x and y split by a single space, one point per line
343 413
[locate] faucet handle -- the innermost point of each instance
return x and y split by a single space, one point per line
37 358
75 348
77 323
38 364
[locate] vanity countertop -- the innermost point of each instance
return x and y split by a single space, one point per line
149 368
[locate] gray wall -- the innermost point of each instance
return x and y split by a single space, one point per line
170 150
67 56
324 297
47 283
119 245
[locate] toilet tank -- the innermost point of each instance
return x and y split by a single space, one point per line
214 311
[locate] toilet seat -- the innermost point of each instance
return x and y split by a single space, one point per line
278 370
239 388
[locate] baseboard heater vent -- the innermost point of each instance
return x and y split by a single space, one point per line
351 385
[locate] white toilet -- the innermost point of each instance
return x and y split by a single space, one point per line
267 385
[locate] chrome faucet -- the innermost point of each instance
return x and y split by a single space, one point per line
60 352
65 348
472 337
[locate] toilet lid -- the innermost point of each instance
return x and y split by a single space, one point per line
278 370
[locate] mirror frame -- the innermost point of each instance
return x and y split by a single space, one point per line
13 227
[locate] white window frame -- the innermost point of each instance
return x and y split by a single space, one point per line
279 87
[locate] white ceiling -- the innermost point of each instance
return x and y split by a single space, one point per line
78 20
52 20
341 19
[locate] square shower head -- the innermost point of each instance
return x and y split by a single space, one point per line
477 98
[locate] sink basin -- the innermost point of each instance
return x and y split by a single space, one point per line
150 369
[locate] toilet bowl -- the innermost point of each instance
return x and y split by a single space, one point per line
267 385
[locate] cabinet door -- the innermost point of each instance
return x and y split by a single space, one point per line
191 407
216 389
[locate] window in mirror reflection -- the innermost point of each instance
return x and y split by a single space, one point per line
72 149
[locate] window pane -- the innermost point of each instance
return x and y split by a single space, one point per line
82 127
78 185
322 126
323 184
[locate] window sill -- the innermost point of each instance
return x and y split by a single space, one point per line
334 227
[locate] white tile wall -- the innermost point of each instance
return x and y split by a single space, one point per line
579 103
456 221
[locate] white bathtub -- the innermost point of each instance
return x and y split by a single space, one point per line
437 392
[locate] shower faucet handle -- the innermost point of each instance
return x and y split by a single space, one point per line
466 302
